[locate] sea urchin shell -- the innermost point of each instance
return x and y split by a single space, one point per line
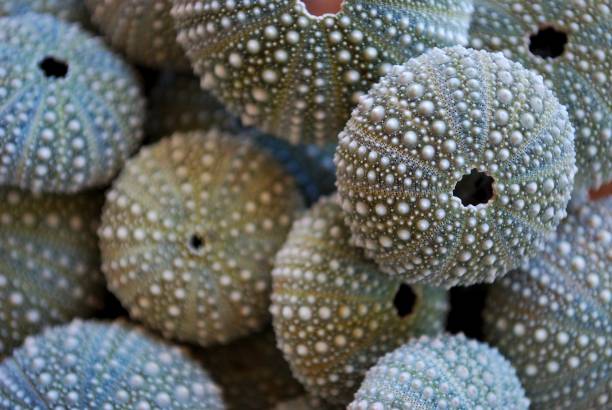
189 232
455 167
334 313
296 75
69 10
103 366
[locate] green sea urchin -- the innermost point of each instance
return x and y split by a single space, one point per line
296 75
102 366
70 110
455 167
553 318
570 44
334 312
189 232
69 10
440 373
251 372
141 29
49 261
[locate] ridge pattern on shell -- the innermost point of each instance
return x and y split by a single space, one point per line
441 373
334 312
189 231
70 10
91 365
553 318
449 117
297 76
49 261
141 29
70 110
575 58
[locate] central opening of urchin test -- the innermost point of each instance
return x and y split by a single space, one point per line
474 188
548 42
53 67
196 243
320 7
404 300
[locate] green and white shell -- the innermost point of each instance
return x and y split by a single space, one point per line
334 313
455 167
49 262
441 373
69 10
570 44
142 30
189 232
298 76
70 110
89 365
553 318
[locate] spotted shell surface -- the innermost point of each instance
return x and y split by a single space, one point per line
178 103
90 365
307 402
439 373
70 110
334 313
49 262
189 232
579 72
251 372
70 10
553 318
442 125
297 76
142 30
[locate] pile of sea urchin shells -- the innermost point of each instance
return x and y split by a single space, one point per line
305 204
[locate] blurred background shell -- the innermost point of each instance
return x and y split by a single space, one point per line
334 313
553 318
297 76
455 167
69 10
307 402
570 44
49 261
177 103
251 372
438 373
99 365
142 30
189 231
71 110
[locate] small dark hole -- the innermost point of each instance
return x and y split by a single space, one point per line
548 42
53 67
404 300
474 188
196 243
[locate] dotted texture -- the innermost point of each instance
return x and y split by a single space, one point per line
189 231
103 366
422 128
552 318
63 134
297 76
69 10
334 312
49 262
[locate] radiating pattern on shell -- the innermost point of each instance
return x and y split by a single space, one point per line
298 76
49 262
553 318
580 76
251 372
143 30
178 103
334 312
426 126
189 232
70 110
440 373
70 10
101 366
